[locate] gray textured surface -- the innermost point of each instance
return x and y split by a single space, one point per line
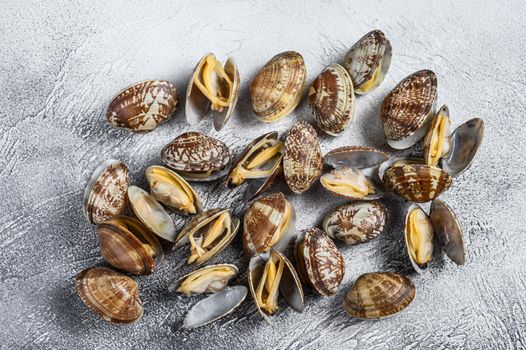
61 63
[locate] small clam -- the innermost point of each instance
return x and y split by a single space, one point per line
356 222
302 162
378 295
197 157
268 223
277 88
418 235
331 96
260 162
212 87
143 106
350 183
408 108
172 190
109 294
357 157
127 244
271 274
208 234
368 61
151 213
105 194
320 263
437 142
208 279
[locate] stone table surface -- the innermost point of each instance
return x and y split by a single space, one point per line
62 62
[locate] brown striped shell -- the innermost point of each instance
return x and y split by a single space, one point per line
105 195
408 108
277 88
356 222
109 294
197 157
302 162
378 295
144 106
357 157
128 245
320 263
331 96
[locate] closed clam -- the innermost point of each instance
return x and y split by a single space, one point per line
105 194
350 183
368 61
357 157
331 96
143 106
302 162
109 294
277 88
127 244
378 295
212 87
208 279
320 263
268 223
408 108
418 235
197 157
208 233
356 222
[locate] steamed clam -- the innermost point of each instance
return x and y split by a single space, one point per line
350 183
208 279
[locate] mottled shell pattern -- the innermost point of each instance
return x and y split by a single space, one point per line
331 96
208 279
143 106
277 88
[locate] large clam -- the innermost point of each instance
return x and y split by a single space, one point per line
212 87
208 279
277 88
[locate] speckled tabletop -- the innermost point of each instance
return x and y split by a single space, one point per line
61 63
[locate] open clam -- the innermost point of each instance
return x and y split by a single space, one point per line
277 88
448 231
350 183
208 279
437 142
208 234
212 87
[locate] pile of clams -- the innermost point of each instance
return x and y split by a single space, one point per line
133 224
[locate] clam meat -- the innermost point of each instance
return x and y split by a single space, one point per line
418 235
350 183
208 279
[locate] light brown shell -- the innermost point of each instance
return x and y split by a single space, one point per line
302 162
277 88
144 106
357 157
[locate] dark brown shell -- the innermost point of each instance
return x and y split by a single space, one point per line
448 231
302 162
144 106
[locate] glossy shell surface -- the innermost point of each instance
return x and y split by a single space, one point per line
357 157
448 231
465 144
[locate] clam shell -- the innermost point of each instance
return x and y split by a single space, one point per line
420 268
331 96
320 263
363 59
197 157
105 194
213 286
109 294
466 141
144 106
357 157
378 295
277 88
356 222
344 174
408 108
431 137
448 231
398 161
302 162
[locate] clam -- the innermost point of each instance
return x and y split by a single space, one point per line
208 233
356 222
368 61
270 275
437 142
212 87
197 157
408 108
151 213
320 263
448 231
350 183
127 244
268 223
277 88
357 157
172 190
208 279
109 294
378 295
331 96
465 143
144 106
105 194
302 162
260 162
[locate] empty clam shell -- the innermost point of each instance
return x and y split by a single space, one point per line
350 183
277 88
418 236
437 142
448 231
465 143
208 279
357 157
